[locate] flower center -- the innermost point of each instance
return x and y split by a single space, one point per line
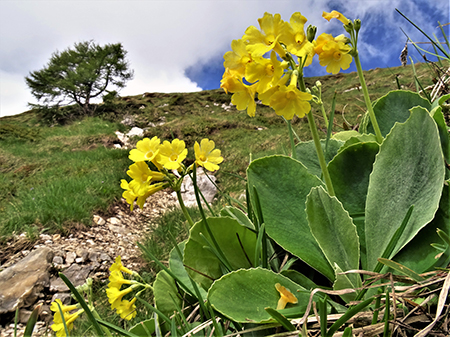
269 40
202 157
299 37
337 55
270 69
149 154
173 157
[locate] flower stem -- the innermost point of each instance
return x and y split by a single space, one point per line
183 208
373 119
320 155
291 138
318 146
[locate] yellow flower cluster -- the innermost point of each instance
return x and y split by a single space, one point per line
248 72
164 157
69 318
125 308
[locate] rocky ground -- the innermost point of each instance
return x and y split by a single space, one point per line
85 252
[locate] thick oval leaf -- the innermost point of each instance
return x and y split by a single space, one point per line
176 266
334 231
282 184
307 155
349 172
237 242
144 328
242 295
163 286
408 170
418 254
391 108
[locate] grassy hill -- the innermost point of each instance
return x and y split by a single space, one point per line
55 176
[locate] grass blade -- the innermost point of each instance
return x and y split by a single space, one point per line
116 329
280 319
80 299
32 321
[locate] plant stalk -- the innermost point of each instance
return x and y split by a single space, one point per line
369 107
316 139
184 209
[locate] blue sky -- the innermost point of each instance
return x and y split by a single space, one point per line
178 45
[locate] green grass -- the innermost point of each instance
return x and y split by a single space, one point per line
60 179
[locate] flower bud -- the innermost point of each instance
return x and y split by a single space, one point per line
311 33
318 84
357 25
349 27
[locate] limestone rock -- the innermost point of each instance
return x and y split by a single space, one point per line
76 274
205 185
21 283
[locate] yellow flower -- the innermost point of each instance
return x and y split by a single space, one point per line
116 280
206 155
285 297
293 35
289 101
237 59
142 177
172 154
115 295
261 41
58 325
244 95
335 56
118 266
266 71
146 150
130 195
127 309
335 15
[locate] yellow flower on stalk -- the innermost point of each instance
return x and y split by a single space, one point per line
288 101
267 72
127 309
116 280
293 35
172 154
285 297
334 54
261 41
335 15
58 325
130 195
146 150
244 95
118 266
206 155
142 177
237 59
115 295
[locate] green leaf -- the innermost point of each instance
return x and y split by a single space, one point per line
243 295
144 328
237 215
408 170
349 171
163 286
280 319
346 281
307 155
391 108
419 254
345 135
32 321
282 184
443 132
402 269
178 269
230 235
334 231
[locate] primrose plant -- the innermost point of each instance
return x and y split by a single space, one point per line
355 200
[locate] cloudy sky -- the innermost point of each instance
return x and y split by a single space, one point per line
178 46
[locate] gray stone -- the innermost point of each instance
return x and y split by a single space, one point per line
205 185
58 260
65 298
21 283
76 274
70 257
